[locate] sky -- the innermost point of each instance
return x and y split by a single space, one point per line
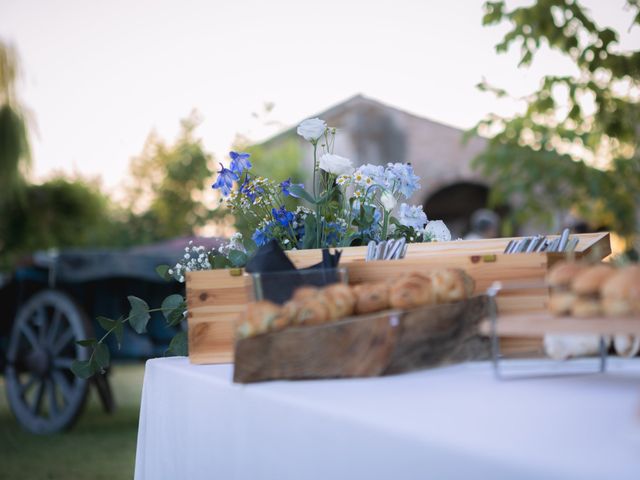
99 76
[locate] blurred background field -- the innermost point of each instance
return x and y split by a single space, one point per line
100 446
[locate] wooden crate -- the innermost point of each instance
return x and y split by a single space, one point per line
216 298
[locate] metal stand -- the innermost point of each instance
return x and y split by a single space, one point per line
496 356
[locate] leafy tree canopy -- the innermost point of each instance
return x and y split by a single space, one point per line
575 147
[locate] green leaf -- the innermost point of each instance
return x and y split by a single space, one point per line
106 323
163 272
84 368
237 258
173 308
139 314
298 191
178 345
119 331
101 355
309 240
89 342
171 303
220 261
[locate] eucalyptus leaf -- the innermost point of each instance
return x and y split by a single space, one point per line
84 368
179 345
139 314
89 342
102 356
163 272
237 258
106 323
171 303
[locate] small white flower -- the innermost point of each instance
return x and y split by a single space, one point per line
335 164
438 231
312 129
412 216
388 200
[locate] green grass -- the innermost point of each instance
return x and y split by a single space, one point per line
99 446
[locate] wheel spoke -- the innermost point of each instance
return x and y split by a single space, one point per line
24 387
29 334
53 329
63 362
41 322
53 403
64 339
63 384
37 404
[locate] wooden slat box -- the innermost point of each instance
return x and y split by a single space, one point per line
216 298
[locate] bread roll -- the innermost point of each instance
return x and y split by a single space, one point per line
563 273
411 291
304 293
259 318
621 292
340 299
589 280
586 285
626 345
561 303
371 297
313 311
451 285
563 347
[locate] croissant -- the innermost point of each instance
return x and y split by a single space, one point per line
340 300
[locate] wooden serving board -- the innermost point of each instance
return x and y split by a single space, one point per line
364 346
541 323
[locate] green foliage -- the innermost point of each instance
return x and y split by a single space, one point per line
574 148
162 200
14 140
172 308
60 212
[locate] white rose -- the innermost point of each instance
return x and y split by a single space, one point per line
438 231
336 164
312 129
388 201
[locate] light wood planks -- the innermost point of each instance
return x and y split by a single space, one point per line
217 298
540 323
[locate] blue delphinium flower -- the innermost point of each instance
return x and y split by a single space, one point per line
400 177
259 237
245 188
284 186
282 216
225 180
239 162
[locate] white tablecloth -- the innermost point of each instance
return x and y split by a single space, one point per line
447 423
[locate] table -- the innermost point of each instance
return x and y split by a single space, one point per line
452 422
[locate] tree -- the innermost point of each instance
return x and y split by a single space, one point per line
575 147
163 200
14 141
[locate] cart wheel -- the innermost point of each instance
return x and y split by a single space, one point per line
44 395
101 381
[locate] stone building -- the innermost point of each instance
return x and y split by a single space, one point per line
372 132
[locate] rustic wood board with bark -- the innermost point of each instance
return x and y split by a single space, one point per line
369 345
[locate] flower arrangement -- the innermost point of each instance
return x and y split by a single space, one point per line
345 206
